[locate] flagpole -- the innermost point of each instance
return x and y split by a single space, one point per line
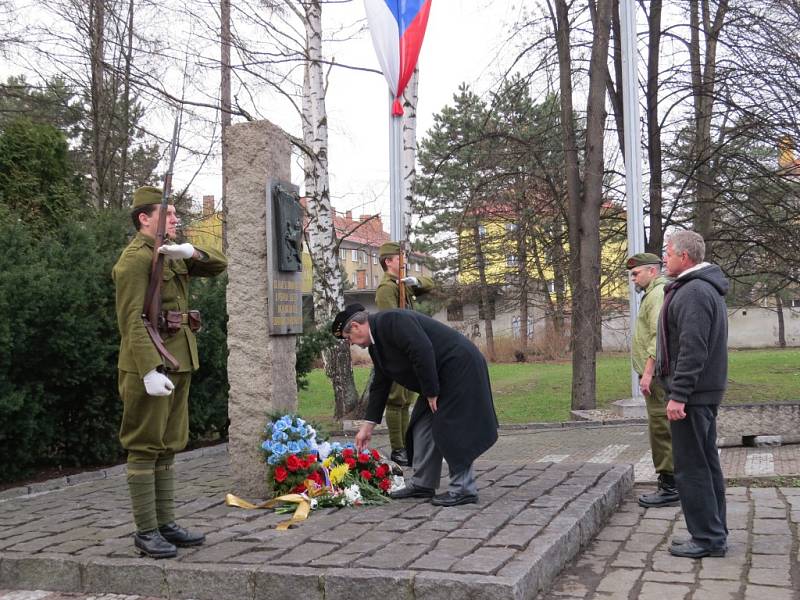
396 212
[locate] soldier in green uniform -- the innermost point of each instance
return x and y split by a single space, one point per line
388 296
155 417
645 271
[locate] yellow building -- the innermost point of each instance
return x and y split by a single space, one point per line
206 231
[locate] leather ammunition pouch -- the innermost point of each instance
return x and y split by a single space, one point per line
171 321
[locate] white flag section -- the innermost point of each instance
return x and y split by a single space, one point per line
386 40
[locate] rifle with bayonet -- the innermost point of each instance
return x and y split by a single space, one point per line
401 270
151 313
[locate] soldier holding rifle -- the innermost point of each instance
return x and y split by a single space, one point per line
157 355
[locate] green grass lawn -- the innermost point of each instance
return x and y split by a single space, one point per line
539 392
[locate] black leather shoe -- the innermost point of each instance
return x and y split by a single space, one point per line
412 492
400 457
180 536
450 499
680 541
691 549
151 543
661 497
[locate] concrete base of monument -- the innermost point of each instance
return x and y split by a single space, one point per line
530 521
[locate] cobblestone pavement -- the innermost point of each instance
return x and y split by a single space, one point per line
629 558
529 451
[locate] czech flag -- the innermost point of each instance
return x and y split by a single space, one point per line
397 28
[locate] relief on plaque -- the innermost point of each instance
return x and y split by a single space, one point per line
288 227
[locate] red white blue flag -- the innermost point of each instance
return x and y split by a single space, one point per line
397 28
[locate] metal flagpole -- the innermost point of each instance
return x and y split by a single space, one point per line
633 153
396 212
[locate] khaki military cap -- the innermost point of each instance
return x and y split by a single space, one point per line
643 258
145 195
389 249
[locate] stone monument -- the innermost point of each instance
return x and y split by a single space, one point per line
264 294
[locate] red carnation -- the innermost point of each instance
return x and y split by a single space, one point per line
299 489
363 457
375 454
310 460
316 478
351 462
366 474
385 484
382 471
347 453
293 463
280 474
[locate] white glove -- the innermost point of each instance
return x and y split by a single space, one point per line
158 384
177 250
412 281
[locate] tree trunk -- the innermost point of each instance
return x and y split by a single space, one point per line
585 197
655 241
409 150
781 325
484 295
703 89
99 124
225 105
327 292
119 192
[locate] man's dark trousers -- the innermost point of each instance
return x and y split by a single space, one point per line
698 475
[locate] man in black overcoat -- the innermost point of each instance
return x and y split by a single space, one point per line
453 418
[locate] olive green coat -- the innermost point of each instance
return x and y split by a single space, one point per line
388 293
131 275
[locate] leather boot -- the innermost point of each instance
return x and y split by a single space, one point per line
179 536
665 495
152 543
400 457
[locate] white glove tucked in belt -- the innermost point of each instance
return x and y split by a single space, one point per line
157 384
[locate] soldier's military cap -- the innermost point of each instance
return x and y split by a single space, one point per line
643 258
343 318
389 249
145 195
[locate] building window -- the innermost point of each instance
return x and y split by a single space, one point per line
362 255
511 227
343 253
375 280
551 286
511 260
417 267
374 258
515 327
355 279
354 255
482 230
455 312
795 303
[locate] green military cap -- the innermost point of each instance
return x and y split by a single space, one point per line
147 194
643 258
389 249
343 318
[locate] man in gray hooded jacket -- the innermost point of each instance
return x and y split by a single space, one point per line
693 362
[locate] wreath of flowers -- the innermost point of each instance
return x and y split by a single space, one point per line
330 474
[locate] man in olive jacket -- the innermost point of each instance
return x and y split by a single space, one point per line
453 418
155 417
387 296
645 272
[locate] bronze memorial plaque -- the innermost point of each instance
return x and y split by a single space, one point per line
285 258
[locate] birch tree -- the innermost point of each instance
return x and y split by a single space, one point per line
327 292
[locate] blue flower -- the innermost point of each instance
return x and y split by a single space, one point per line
279 449
280 436
300 421
273 460
267 445
294 447
281 425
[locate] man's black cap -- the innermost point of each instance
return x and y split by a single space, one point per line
344 317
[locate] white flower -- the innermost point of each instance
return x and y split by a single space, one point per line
398 483
314 503
324 449
353 494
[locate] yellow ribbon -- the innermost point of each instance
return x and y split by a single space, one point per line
300 513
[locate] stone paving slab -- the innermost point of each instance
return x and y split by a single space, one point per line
530 521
